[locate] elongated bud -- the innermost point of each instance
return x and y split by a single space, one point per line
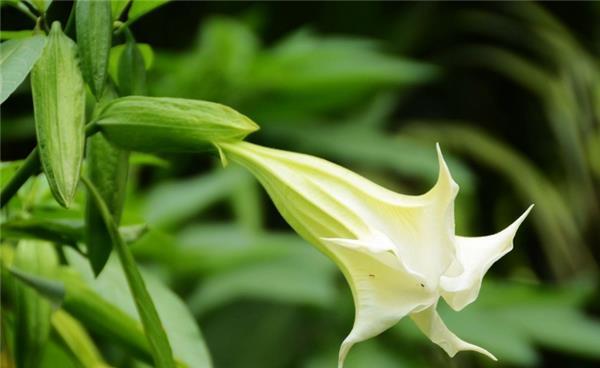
59 109
161 124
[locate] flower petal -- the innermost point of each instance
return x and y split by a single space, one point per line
476 255
323 200
430 323
425 235
383 291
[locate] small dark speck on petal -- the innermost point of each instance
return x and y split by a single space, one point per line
422 285
371 275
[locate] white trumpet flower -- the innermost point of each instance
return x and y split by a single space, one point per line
399 253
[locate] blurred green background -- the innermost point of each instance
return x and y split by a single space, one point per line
510 90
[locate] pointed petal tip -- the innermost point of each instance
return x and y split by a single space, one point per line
443 170
438 149
488 354
522 218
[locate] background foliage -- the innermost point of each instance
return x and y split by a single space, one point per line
510 90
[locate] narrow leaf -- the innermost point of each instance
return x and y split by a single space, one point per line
108 168
105 307
32 312
16 60
97 314
59 109
77 340
160 347
94 38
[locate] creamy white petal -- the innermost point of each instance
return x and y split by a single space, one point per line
425 235
377 244
476 255
383 292
430 323
350 206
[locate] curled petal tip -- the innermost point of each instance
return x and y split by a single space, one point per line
222 157
344 349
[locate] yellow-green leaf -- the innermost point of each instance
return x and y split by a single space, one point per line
32 312
142 7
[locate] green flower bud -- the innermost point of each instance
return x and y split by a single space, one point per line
152 124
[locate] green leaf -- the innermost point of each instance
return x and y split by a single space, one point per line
97 314
304 62
283 279
7 170
105 306
181 328
59 109
131 76
17 57
117 51
57 231
117 7
161 124
170 203
222 61
94 38
142 7
32 323
153 328
238 264
62 231
108 168
77 340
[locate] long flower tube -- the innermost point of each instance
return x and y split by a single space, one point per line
399 253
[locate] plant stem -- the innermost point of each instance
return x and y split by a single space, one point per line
23 8
31 166
159 343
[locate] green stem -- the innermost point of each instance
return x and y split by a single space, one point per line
31 166
23 8
159 343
